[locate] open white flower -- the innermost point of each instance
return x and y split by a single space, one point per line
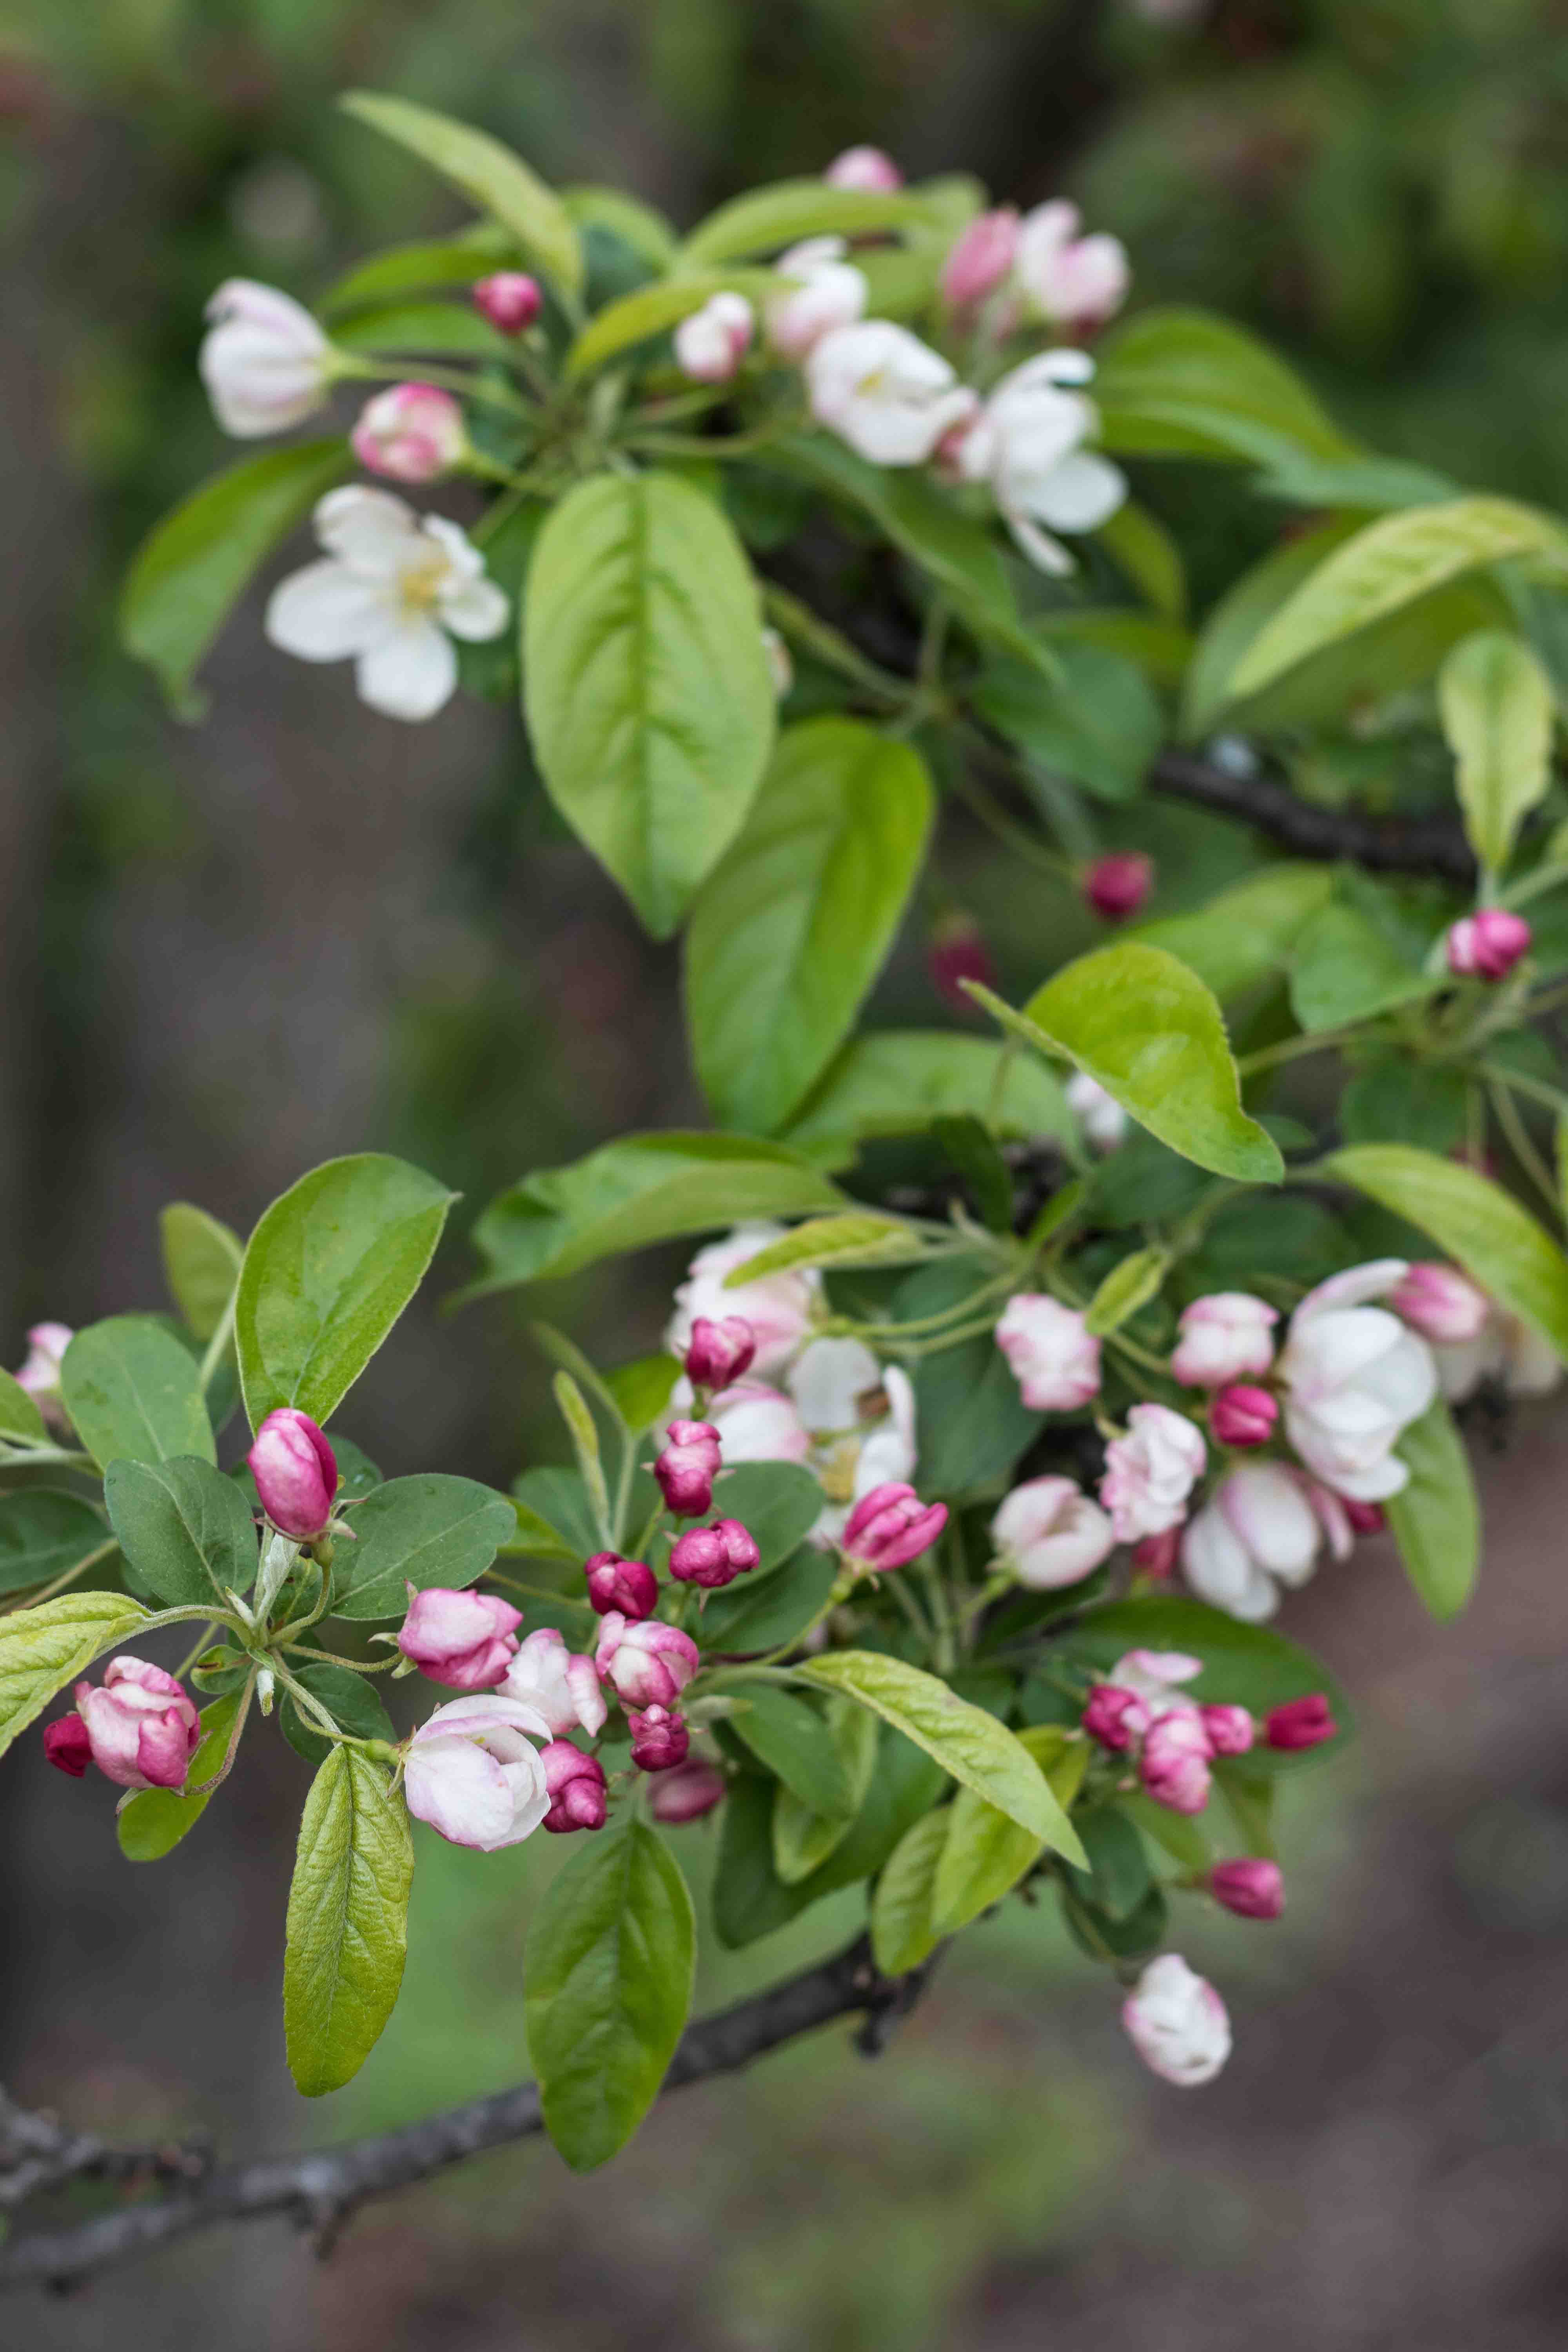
887 393
1354 1380
1076 282
1026 442
392 584
265 362
818 290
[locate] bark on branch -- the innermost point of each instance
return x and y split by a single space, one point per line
320 2189
1432 845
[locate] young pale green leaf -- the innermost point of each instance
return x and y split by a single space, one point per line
1175 382
1127 1288
1497 707
19 1416
793 1741
134 1393
186 1531
442 330
328 1271
788 935
779 1502
803 1837
641 1388
348 1922
1099 721
1498 1243
152 1821
986 1853
43 1649
972 1745
496 180
609 1977
1389 564
1153 1035
201 1264
44 1535
191 571
585 1446
628 218
1244 934
899 1082
766 219
1246 607
646 682
853 1237
642 1189
1344 968
654 310
424 1530
903 1932
415 268
1436 1520
1246 1665
349 1698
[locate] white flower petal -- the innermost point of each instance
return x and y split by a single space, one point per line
475 609
410 673
325 613
368 529
1080 493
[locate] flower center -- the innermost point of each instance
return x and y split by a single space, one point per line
419 586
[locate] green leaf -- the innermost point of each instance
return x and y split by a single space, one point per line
553 1519
201 1264
985 1854
585 1445
496 180
1497 707
424 1530
608 1974
1247 605
186 1531
635 224
779 1502
1152 1035
348 1922
902 1081
1176 1834
327 1273
972 1745
1389 564
349 1698
1375 484
646 689
1174 381
641 1388
902 1930
852 1237
1396 1097
19 1416
43 1649
191 571
448 330
1472 1220
402 269
761 1613
1129 1286
1145 549
787 937
766 219
654 310
1118 1880
1344 967
968 1147
1436 1520
44 1534
152 1821
133 1393
1100 722
639 1190
795 1743
805 1837
1243 935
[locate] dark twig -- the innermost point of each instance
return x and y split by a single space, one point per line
38 2153
320 2191
1431 845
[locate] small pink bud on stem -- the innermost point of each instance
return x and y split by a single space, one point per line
1231 1729
1116 885
685 1792
1243 1415
510 300
295 1473
687 1468
628 1586
890 1526
1250 1886
660 1739
719 1352
576 1786
1486 946
1299 1723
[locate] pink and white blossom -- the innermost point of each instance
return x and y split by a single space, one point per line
1048 1532
884 391
1053 1356
818 291
1259 1532
295 1473
980 259
1177 2023
465 1640
1507 1349
1028 443
649 1663
1069 280
1174 1765
890 1526
779 1308
265 362
1486 946
1151 1472
1356 1378
141 1727
1224 1336
1443 1305
473 1772
560 1685
410 433
712 342
866 169
39 1372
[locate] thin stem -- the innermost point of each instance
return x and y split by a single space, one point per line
942 1626
1291 1049
906 1599
1536 1089
828 646
42 1457
183 1668
697 444
350 1666
1523 1150
452 379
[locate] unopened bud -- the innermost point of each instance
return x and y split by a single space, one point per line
1156 1555
866 169
295 1473
660 1739
687 1468
510 300
1117 885
719 1350
890 1526
576 1786
1243 1415
1231 1729
980 259
958 952
1366 1518
1251 1888
1299 1723
628 1585
713 1557
686 1792
1114 1716
1441 1303
1486 946
410 433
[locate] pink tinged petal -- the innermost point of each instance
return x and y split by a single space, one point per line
164 1745
588 1697
327 612
410 674
1377 1279
462 1792
1273 1519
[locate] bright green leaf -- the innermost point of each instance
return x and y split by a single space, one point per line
496 180
902 1931
766 219
43 1649
186 1531
635 224
762 1612
1099 721
853 1237
446 330
19 1415
424 1530
1344 967
793 1741
803 1837
1175 382
201 1264
152 1821
44 1534
778 1502
899 1082
1436 1520
1140 543
348 1922
133 1393
1496 706
641 1388
1241 936
986 1853
405 270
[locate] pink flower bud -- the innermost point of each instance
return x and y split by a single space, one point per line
712 342
40 1373
465 1640
1299 1723
1117 885
1177 2023
866 169
980 259
890 1526
687 1468
510 300
1441 1303
1243 1415
1156 1555
958 952
1231 1730
1175 1765
1366 1518
561 1687
1114 1716
1224 1337
719 1352
685 1793
659 1739
1054 1357
141 1727
576 1787
1486 946
1251 1888
295 1473
67 1745
410 433
713 1557
648 1663
628 1586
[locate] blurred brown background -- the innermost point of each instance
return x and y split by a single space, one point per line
297 929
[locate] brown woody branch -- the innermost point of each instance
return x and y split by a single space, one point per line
318 2190
1430 845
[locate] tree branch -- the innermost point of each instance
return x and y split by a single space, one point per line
1431 845
320 2189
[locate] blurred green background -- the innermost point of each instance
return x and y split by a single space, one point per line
296 930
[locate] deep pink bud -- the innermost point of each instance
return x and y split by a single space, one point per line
1443 1305
465 1640
713 1556
687 1468
1243 1415
958 952
576 1786
719 1352
685 1793
1366 1518
295 1473
660 1739
68 1745
1114 1716
1251 1888
1231 1729
511 301
1116 886
890 1526
1175 1765
1299 1723
1156 1555
866 169
627 1585
140 1725
649 1664
980 259
1486 946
